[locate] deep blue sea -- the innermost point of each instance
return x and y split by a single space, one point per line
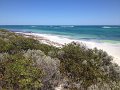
109 34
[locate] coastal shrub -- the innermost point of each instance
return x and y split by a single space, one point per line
18 73
13 43
87 66
46 48
2 45
22 43
49 66
5 34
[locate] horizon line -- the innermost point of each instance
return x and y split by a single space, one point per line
64 24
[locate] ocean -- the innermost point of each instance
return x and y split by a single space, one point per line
103 37
108 34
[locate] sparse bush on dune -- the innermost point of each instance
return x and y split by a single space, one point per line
88 67
46 48
18 73
49 66
6 34
13 43
27 64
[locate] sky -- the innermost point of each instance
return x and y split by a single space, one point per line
59 12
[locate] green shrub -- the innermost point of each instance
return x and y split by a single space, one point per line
86 66
13 43
48 65
19 73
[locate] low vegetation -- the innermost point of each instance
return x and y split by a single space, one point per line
27 64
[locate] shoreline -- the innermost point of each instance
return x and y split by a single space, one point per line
41 39
111 49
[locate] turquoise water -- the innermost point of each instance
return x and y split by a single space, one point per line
109 34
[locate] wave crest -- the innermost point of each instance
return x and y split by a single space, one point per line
109 27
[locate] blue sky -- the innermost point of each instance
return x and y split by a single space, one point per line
60 12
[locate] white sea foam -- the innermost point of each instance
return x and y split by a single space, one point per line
106 27
111 49
109 27
33 26
67 26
